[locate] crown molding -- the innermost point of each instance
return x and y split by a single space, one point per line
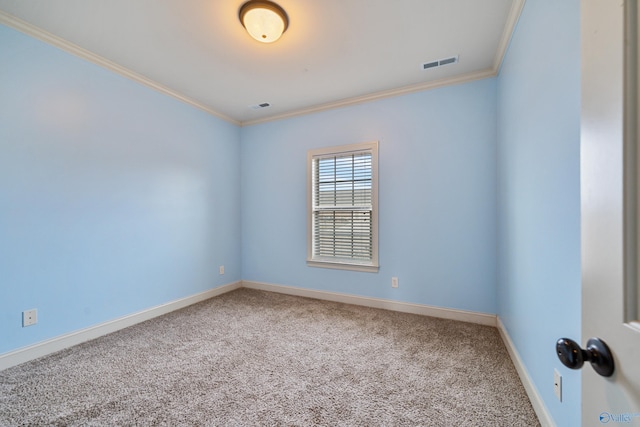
512 20
42 35
465 78
507 33
33 31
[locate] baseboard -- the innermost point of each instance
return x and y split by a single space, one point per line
425 310
61 342
44 348
536 401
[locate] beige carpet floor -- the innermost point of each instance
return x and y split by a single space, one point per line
253 358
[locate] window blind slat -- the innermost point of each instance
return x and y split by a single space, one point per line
342 206
343 182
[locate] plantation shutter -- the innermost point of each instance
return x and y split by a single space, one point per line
343 207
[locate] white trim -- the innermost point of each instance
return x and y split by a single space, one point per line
60 43
61 342
33 31
364 268
509 28
536 400
424 310
505 39
465 78
362 147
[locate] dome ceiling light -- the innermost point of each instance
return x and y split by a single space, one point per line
265 21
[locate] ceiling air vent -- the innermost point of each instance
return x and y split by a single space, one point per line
260 106
428 65
440 62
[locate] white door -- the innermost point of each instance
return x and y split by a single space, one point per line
610 214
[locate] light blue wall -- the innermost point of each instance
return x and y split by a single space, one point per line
437 197
113 197
539 195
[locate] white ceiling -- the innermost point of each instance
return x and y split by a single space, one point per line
335 52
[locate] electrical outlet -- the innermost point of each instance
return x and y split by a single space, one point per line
29 317
221 269
557 384
394 282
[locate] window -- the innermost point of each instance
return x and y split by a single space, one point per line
343 207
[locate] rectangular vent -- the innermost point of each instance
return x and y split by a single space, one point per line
440 63
448 61
428 65
259 106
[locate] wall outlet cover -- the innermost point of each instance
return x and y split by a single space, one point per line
29 317
557 384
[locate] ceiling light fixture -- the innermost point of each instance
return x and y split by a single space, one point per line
265 21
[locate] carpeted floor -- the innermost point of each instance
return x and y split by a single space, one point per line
252 358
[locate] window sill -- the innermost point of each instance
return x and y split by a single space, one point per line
367 268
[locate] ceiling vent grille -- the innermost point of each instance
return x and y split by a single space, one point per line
260 106
440 63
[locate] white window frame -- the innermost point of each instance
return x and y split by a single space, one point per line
372 265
